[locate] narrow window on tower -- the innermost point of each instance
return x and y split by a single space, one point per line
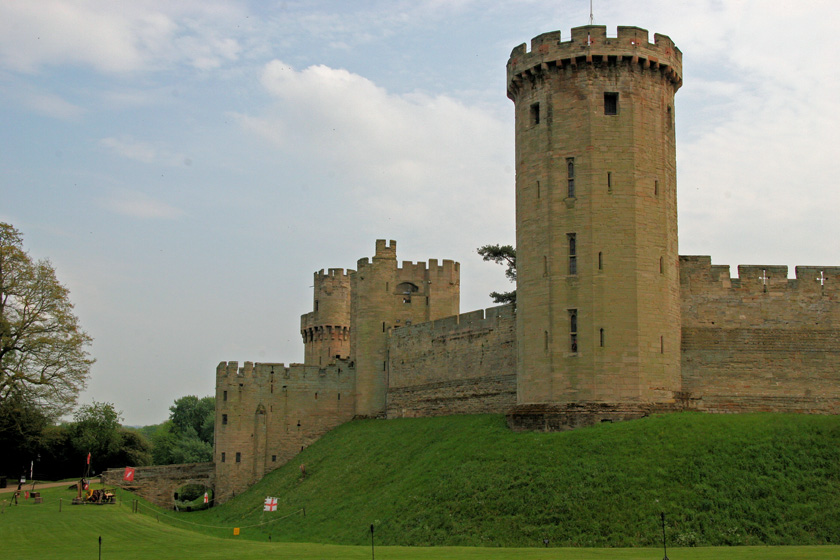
656 187
238 457
538 189
572 253
316 305
573 342
545 341
661 344
570 174
224 396
224 419
661 265
545 265
535 114
609 182
610 103
602 338
670 118
223 456
600 260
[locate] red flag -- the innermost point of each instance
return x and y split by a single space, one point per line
88 459
129 474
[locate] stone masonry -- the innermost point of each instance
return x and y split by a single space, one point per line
610 323
159 483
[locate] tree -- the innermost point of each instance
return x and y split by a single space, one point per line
21 428
190 412
504 255
187 437
42 347
96 430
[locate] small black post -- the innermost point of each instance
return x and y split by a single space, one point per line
100 547
664 546
372 553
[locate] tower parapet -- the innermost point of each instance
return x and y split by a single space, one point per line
590 45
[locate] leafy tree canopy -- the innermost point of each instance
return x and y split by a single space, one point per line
187 437
506 256
42 347
96 430
196 413
21 427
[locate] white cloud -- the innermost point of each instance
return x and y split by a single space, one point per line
143 152
415 158
140 205
116 36
53 106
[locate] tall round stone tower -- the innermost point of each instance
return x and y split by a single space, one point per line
598 304
326 329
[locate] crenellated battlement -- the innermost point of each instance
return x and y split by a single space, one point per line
333 273
590 45
447 268
262 373
473 320
698 274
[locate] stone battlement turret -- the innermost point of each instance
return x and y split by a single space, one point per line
590 45
326 329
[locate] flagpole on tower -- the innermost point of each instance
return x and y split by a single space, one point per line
591 17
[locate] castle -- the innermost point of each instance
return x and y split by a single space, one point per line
610 322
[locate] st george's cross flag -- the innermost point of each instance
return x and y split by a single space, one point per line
270 504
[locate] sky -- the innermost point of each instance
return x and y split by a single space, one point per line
187 165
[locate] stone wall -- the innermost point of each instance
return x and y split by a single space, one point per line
158 484
464 364
761 341
267 413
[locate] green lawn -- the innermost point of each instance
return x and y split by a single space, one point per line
40 531
739 479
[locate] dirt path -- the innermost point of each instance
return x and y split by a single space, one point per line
28 486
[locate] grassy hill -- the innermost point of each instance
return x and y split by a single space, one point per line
721 480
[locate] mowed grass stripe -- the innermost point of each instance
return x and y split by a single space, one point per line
41 531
